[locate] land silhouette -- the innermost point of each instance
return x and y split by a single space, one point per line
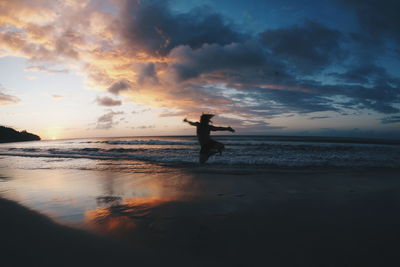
10 135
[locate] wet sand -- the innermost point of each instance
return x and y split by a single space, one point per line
272 218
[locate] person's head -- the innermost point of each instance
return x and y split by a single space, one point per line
206 118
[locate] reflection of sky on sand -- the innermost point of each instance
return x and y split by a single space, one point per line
205 216
82 197
130 205
122 216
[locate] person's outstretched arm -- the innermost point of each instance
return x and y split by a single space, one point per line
215 128
190 122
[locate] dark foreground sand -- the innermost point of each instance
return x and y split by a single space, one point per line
31 239
276 218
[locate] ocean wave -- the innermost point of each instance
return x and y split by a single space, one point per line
238 152
102 156
148 142
278 160
90 149
246 143
23 149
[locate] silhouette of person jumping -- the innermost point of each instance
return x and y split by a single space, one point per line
209 146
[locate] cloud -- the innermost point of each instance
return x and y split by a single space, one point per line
140 111
6 99
142 127
147 74
106 121
391 119
152 27
25 11
318 117
308 48
57 96
362 74
378 19
381 95
119 86
108 101
45 69
172 114
250 125
213 57
292 102
48 32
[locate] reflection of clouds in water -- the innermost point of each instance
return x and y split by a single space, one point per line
128 204
66 195
122 216
108 200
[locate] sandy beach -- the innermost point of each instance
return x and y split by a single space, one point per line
195 217
200 133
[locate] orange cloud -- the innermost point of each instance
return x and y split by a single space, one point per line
95 42
8 99
26 11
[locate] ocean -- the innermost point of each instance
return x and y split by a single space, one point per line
136 153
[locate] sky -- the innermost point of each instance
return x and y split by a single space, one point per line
107 68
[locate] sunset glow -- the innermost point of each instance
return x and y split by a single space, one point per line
111 68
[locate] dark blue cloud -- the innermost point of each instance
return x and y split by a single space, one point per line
370 87
303 68
361 74
307 48
378 19
318 117
211 58
289 101
391 119
153 27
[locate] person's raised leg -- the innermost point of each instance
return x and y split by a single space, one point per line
203 157
219 147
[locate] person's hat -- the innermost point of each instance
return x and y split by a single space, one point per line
206 117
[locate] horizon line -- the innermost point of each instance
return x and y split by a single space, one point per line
322 137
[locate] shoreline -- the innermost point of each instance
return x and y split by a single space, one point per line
213 166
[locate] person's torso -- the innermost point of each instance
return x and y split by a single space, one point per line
203 134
